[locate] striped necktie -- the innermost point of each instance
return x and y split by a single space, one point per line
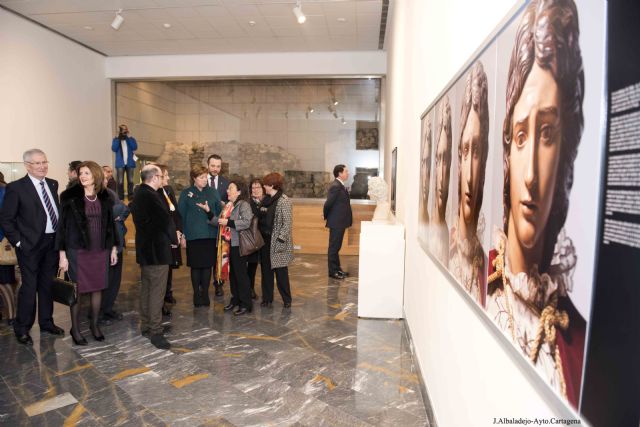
47 203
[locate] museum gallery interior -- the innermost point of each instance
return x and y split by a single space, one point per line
489 275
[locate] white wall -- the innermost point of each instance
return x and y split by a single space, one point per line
471 373
54 96
253 64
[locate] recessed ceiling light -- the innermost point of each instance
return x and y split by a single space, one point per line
341 19
166 25
88 27
252 23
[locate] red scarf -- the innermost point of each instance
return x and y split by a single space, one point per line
224 242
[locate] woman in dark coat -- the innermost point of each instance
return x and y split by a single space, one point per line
86 238
197 205
169 198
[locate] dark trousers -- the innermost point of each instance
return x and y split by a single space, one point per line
239 279
110 294
335 243
38 267
154 279
252 269
168 293
200 278
281 274
120 173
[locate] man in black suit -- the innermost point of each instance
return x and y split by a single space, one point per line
337 213
221 184
29 219
155 233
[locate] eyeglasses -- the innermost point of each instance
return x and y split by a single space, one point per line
45 163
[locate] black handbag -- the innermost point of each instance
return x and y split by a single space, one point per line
64 291
176 257
250 239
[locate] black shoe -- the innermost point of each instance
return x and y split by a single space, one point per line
24 339
229 306
336 275
287 305
240 311
104 321
344 273
145 333
79 341
265 304
52 329
97 334
166 312
113 315
159 341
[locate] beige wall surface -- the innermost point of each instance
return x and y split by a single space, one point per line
54 96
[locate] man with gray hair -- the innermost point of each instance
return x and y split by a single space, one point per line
155 233
29 218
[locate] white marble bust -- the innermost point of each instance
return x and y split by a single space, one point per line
378 191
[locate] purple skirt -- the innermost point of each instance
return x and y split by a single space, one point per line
89 269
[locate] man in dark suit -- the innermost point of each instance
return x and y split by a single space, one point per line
221 184
29 219
155 233
337 213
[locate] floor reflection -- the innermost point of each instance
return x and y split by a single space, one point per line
313 364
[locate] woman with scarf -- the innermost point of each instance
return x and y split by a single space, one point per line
257 199
236 216
169 198
277 240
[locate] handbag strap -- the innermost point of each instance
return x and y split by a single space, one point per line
65 275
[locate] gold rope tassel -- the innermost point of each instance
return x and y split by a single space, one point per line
550 318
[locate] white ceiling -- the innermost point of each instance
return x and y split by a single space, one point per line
209 26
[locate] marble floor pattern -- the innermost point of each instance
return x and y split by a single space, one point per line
315 364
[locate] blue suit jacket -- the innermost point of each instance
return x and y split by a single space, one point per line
132 146
223 186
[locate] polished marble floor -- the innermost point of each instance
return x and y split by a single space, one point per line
315 364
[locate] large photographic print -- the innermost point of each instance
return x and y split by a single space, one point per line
510 174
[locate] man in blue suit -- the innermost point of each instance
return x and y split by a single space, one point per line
124 146
337 213
221 184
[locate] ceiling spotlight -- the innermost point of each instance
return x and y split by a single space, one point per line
297 11
310 109
344 122
166 25
88 27
341 19
252 23
117 21
335 101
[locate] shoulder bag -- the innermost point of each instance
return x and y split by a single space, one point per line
250 239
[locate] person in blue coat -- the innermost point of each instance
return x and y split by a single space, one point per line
124 146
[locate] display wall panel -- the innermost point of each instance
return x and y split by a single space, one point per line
508 200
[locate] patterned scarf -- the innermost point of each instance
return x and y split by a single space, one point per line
224 242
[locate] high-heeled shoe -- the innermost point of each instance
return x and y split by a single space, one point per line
287 305
229 306
81 341
240 311
95 336
265 304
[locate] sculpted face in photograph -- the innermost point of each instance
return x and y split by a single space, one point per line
530 291
443 159
467 257
473 150
541 131
425 165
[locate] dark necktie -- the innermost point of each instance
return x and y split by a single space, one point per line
47 203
